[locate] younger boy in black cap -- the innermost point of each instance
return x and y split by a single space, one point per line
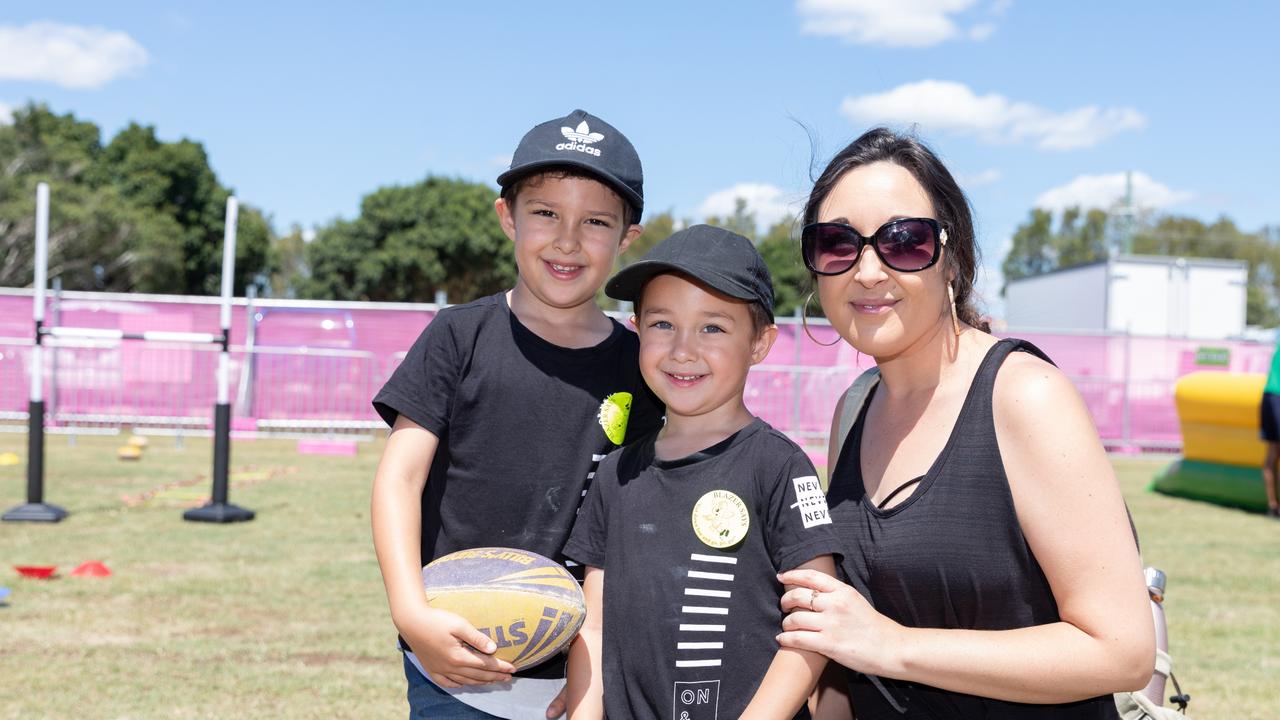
684 531
504 406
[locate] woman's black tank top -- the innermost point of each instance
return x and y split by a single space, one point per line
952 555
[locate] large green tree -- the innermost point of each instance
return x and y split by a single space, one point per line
410 241
136 214
791 280
289 266
174 180
1038 248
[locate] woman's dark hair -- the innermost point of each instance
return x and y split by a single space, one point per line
949 203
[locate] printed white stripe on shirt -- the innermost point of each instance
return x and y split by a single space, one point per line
707 593
714 558
702 610
697 663
710 575
702 628
700 646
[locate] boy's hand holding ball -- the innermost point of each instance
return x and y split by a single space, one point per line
450 649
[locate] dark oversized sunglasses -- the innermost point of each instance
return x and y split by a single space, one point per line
905 245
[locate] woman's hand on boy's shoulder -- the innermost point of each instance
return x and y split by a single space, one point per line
452 651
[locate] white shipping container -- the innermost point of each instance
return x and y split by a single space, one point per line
1142 295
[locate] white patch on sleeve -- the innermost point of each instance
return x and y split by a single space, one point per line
811 501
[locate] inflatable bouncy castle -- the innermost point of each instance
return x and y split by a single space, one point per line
1222 450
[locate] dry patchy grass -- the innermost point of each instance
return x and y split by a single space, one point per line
284 616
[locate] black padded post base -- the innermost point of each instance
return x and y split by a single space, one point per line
35 512
218 510
218 513
35 509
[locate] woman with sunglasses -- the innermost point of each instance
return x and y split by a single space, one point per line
992 568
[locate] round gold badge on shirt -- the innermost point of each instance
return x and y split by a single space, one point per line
720 519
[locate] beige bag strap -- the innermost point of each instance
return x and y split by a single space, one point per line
1136 706
854 398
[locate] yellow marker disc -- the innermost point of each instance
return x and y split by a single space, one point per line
721 519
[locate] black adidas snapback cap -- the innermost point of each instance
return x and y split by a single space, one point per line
715 257
581 140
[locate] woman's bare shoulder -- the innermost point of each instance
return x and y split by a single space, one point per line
1029 384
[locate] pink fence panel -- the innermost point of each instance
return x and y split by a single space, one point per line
315 366
14 380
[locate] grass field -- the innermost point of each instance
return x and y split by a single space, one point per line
284 617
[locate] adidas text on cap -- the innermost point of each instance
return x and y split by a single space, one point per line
581 140
722 260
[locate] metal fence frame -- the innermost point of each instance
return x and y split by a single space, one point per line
325 390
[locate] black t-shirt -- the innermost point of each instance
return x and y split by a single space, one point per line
952 555
519 421
689 627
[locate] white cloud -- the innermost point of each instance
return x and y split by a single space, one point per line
501 161
982 31
978 179
953 107
768 202
1104 191
6 113
901 23
67 55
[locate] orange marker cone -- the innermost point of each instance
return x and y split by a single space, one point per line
93 568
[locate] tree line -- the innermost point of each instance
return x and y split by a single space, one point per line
140 214
1080 237
134 213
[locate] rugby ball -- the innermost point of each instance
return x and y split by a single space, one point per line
530 606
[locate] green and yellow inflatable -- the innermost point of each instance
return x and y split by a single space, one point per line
1222 450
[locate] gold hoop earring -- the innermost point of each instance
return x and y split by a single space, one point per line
955 320
804 322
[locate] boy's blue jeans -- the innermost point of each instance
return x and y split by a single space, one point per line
428 702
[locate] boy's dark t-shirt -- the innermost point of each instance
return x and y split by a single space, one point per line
518 420
689 628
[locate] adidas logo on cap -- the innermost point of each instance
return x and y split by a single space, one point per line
580 139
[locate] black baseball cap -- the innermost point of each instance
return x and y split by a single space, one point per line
581 140
718 258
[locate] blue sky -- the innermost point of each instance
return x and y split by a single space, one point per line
304 108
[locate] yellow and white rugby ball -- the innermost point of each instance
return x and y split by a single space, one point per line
530 606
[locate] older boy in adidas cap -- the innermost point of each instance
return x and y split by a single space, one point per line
684 531
494 412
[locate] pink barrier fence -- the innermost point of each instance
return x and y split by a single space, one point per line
313 367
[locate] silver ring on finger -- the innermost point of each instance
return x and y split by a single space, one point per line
813 595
